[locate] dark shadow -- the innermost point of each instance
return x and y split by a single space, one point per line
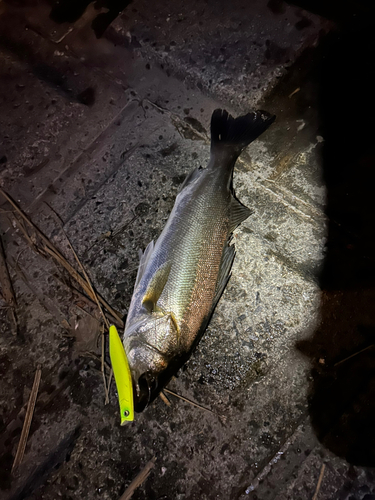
57 76
71 10
342 349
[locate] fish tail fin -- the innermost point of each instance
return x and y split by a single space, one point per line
232 135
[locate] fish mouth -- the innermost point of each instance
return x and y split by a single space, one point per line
145 392
149 385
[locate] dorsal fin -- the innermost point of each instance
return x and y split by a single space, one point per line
238 213
156 286
143 260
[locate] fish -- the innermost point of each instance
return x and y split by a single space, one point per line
182 275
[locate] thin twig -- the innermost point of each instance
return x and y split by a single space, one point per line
138 480
19 255
164 398
2 211
97 358
110 380
294 92
21 226
25 218
81 266
178 121
52 250
319 482
27 422
84 311
7 289
88 300
106 389
5 280
103 371
119 229
88 282
101 238
82 282
111 235
355 354
44 300
187 400
14 321
49 247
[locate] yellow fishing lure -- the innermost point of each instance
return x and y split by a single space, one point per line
122 375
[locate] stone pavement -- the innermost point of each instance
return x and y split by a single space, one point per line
97 136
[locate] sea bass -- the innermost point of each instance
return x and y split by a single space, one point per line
182 276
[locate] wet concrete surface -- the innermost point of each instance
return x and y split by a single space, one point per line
98 135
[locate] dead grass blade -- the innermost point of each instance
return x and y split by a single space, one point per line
88 282
164 398
97 358
122 228
5 281
294 92
81 266
21 226
188 400
179 123
353 355
319 482
27 422
138 480
53 252
75 275
7 289
44 300
111 235
13 320
103 370
110 380
94 294
88 301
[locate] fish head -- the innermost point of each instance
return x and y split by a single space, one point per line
150 345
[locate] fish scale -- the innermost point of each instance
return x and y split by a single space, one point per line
194 273
182 276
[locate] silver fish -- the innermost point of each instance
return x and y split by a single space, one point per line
182 276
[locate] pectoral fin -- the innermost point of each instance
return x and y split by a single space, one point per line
156 287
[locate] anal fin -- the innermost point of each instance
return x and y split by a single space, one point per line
238 213
224 273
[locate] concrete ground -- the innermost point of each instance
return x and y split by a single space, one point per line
96 137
